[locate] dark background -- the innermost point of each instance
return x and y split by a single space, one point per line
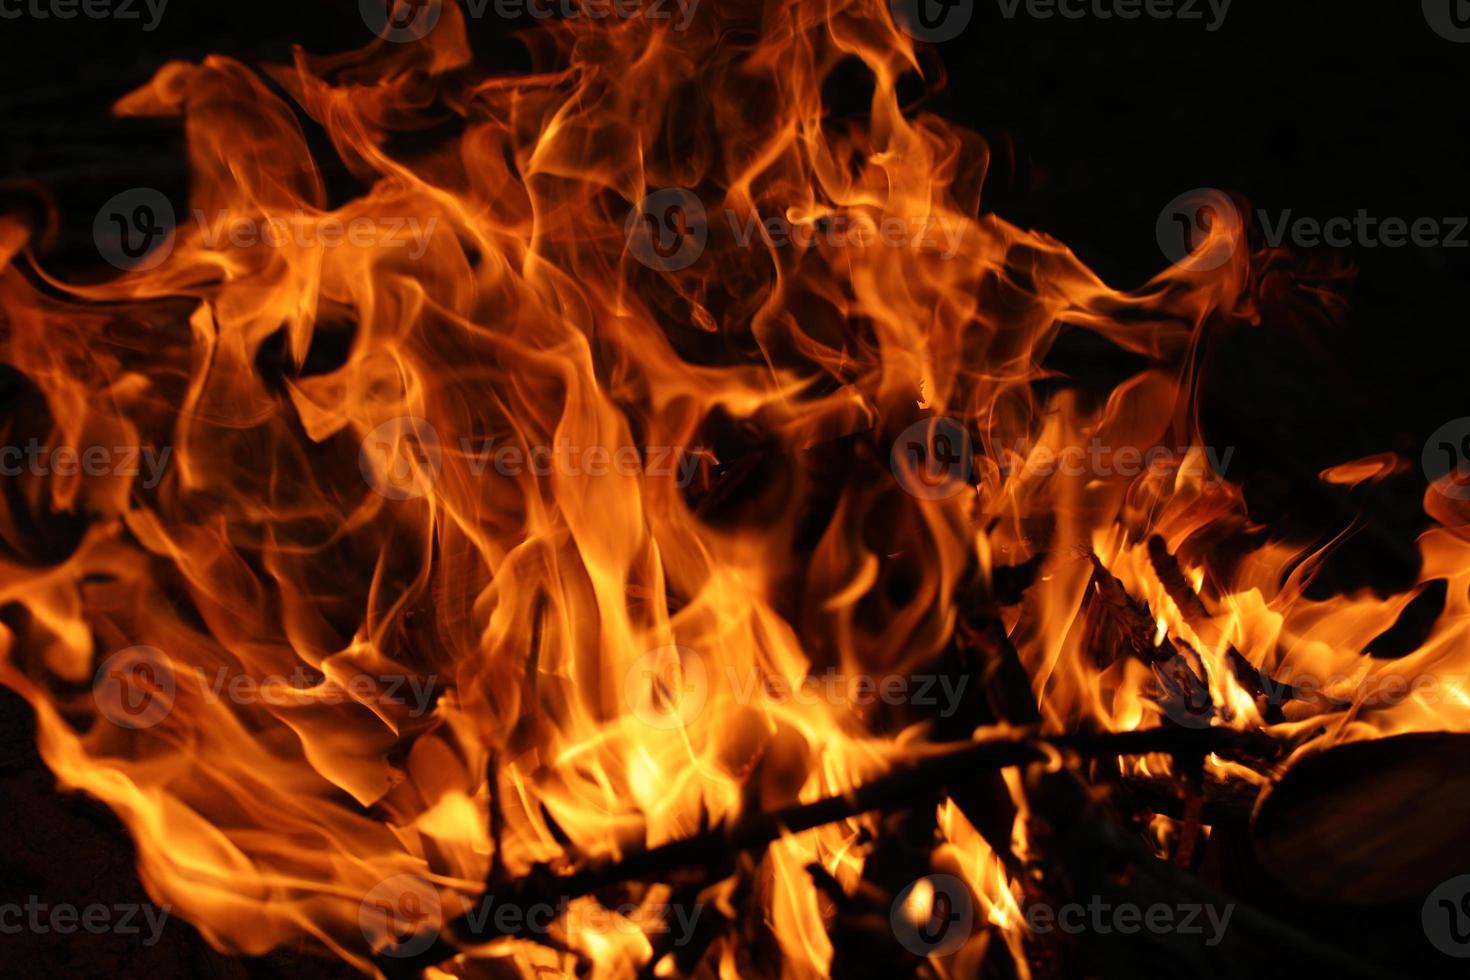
1319 106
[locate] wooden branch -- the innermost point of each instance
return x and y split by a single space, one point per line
713 852
1119 625
1222 804
1268 692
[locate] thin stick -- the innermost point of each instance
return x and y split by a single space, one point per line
715 850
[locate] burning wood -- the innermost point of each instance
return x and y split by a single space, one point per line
1269 693
713 853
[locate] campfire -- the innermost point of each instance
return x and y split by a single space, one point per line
641 531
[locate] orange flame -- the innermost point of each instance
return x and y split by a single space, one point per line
474 464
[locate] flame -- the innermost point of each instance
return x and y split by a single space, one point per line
367 624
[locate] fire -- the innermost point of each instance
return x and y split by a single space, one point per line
505 532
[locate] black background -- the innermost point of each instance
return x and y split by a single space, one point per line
1316 106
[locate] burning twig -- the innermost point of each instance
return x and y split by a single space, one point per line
1191 779
713 852
1120 625
1268 692
1221 803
